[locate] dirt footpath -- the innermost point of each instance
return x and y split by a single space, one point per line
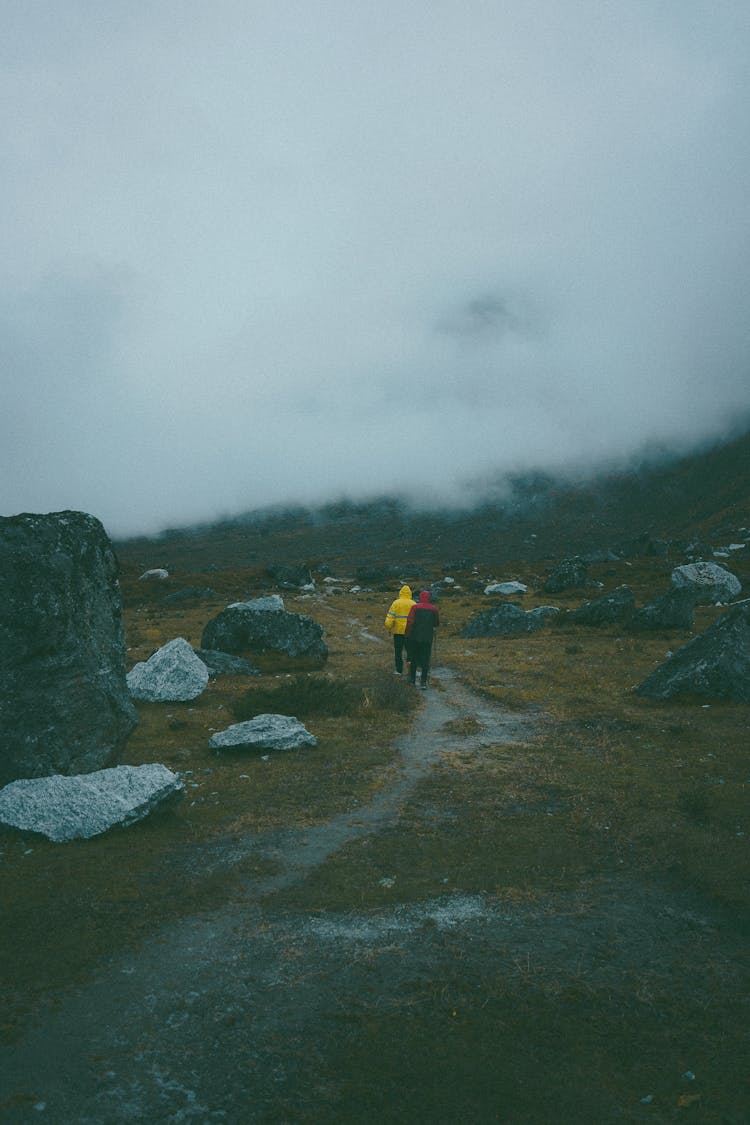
246 1014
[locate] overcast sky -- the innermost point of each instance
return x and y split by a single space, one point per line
259 251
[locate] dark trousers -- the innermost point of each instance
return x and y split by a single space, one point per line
399 644
419 657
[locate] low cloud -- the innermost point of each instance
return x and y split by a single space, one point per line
256 257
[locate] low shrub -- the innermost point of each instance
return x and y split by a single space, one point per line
300 696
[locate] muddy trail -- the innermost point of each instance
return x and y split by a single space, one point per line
246 1013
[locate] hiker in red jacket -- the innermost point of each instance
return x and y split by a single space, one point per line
421 624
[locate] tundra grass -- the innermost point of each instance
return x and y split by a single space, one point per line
615 799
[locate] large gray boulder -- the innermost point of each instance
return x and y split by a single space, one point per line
64 703
607 610
264 625
673 610
569 575
715 665
506 620
264 732
71 808
173 674
709 582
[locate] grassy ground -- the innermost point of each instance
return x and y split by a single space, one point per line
616 812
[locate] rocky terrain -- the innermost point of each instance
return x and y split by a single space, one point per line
521 896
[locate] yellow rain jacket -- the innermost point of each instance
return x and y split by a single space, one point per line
395 618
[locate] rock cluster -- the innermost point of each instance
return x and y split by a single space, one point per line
610 608
569 575
64 703
507 620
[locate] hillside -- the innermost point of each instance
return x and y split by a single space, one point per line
705 496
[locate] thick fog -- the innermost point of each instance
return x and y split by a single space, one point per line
259 251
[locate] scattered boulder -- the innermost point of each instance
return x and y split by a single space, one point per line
158 574
64 703
610 608
264 625
264 732
673 610
72 808
506 588
710 582
715 665
290 576
570 574
173 674
506 620
222 664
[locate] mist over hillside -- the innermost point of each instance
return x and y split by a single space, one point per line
531 515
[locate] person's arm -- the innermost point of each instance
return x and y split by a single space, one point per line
410 621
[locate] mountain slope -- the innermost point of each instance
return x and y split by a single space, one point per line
703 496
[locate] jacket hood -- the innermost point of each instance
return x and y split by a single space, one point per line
424 597
405 592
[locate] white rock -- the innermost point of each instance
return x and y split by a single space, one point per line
264 732
172 675
71 808
709 579
157 573
506 588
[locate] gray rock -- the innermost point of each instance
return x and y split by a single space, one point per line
258 626
173 674
545 611
264 732
64 703
715 665
569 575
711 582
71 808
610 608
271 603
506 588
507 620
673 610
222 664
289 575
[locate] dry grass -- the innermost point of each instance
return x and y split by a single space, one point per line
614 791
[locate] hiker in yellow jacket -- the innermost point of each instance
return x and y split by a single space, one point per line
395 622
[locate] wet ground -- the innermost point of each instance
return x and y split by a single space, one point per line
236 1015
